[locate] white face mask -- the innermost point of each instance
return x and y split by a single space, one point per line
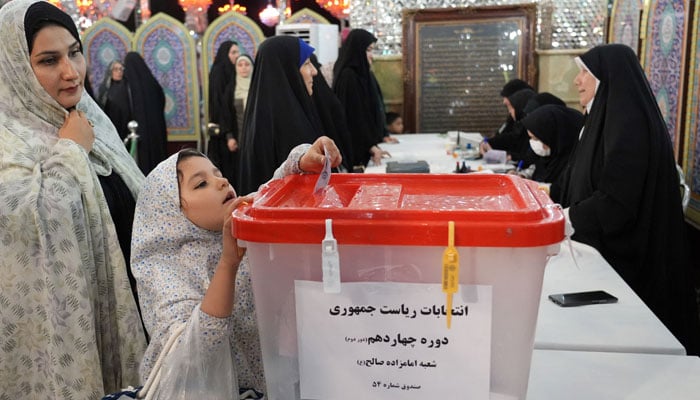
538 148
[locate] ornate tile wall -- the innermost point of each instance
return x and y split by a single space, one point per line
562 24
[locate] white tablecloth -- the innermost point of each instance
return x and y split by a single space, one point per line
433 148
580 375
625 326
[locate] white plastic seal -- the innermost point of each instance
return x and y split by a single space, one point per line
330 261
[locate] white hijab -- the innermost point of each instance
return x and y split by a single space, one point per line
173 261
61 261
583 66
243 83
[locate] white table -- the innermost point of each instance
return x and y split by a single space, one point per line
433 148
626 326
578 375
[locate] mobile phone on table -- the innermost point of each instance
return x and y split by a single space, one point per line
583 298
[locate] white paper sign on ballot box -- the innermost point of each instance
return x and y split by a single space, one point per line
386 340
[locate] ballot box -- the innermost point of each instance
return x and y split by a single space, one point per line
348 283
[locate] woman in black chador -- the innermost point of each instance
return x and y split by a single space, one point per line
148 110
622 192
114 97
279 114
515 140
358 91
222 76
332 115
553 131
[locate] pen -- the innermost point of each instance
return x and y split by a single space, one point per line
520 166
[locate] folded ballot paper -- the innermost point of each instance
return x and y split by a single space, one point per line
420 166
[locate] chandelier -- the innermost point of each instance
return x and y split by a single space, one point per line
83 5
195 4
270 15
339 8
235 8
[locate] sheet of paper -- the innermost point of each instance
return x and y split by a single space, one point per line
385 340
325 176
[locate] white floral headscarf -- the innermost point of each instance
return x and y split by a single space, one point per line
71 324
173 261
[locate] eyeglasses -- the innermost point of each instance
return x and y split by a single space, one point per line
117 68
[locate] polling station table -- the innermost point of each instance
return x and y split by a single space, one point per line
585 375
437 150
626 326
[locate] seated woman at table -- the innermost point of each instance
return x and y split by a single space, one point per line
553 132
514 141
542 99
509 89
621 189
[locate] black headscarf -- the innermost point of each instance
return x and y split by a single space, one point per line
515 140
513 86
115 99
148 109
541 99
623 190
332 115
42 13
279 115
221 74
222 82
519 100
558 127
358 91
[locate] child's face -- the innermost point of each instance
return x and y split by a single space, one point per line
205 195
396 126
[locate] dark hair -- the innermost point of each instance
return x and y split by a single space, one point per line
188 152
183 155
513 86
391 117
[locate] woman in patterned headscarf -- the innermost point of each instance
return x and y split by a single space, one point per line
70 322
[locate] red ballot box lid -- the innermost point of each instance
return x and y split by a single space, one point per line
489 210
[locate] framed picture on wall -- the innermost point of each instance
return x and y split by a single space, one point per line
456 61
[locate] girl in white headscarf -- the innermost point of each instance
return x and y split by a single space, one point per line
70 324
244 72
190 271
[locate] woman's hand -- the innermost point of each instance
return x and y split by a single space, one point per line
378 154
484 147
232 254
390 139
232 145
315 157
78 128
